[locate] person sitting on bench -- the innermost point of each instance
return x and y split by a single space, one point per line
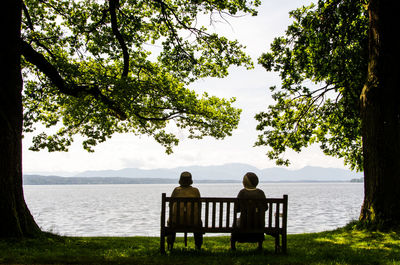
252 213
185 190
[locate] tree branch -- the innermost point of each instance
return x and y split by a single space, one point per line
27 16
45 67
74 90
114 26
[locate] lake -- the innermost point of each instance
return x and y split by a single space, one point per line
134 210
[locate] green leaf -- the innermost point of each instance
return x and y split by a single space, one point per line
322 62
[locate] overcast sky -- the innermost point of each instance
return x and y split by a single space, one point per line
250 87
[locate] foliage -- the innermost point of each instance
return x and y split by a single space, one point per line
322 62
342 246
97 67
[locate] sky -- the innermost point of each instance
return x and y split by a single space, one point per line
251 89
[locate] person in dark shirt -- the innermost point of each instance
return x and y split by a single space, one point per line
252 212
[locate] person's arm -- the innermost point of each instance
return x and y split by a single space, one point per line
239 196
174 192
264 197
197 193
173 205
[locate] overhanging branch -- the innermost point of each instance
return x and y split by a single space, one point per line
75 90
114 26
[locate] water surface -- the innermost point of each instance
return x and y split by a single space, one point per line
134 209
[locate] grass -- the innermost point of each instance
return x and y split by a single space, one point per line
341 246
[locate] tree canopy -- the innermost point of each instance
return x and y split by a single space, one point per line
96 68
322 61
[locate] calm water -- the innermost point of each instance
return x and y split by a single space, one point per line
133 210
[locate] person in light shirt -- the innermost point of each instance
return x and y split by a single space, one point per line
187 191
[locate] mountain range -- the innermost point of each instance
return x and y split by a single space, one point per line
222 173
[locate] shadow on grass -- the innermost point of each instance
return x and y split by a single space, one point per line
342 246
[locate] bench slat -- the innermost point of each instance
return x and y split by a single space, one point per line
178 213
270 207
277 215
214 205
228 210
234 216
192 213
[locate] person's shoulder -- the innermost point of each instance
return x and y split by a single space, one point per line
195 190
261 192
176 191
177 188
241 193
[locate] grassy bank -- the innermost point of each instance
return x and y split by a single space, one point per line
342 246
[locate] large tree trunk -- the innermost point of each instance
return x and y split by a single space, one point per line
381 118
16 220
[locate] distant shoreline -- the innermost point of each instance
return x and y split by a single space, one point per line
55 180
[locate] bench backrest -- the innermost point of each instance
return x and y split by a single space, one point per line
252 213
184 213
220 214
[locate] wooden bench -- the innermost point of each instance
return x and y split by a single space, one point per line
219 215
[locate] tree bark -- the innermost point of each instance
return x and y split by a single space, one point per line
16 220
381 119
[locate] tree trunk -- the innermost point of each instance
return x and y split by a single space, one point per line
381 119
16 220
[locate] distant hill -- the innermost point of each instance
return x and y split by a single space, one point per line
55 180
232 172
201 174
309 174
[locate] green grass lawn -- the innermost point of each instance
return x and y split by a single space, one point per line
342 246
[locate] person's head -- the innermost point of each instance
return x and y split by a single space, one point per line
186 179
250 181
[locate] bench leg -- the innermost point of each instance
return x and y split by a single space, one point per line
171 240
162 243
185 239
233 244
277 243
170 246
284 244
198 240
260 245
